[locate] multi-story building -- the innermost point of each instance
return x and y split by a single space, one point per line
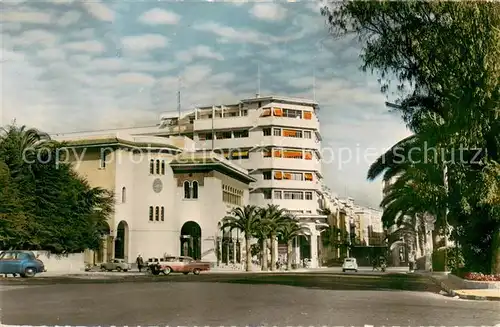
277 139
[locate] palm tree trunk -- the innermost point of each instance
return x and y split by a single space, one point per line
248 253
289 255
273 252
264 254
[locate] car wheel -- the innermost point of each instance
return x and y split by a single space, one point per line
186 272
118 269
167 271
196 271
29 272
355 270
125 270
103 268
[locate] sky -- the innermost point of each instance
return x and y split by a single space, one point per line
71 65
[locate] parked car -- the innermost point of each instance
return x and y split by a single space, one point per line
350 264
23 263
115 264
177 264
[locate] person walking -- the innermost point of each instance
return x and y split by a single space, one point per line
140 262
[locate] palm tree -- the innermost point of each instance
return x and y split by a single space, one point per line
289 231
19 146
274 218
245 220
262 232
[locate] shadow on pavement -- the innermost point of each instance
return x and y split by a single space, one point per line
327 281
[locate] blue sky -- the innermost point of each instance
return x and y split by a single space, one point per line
70 65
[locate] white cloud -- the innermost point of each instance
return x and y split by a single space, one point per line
51 54
144 42
69 18
40 37
136 78
268 11
232 34
30 17
99 10
86 46
86 33
159 16
195 73
200 51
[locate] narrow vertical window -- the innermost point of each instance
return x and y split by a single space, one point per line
124 194
162 215
157 167
157 213
151 213
151 166
163 167
187 190
103 158
195 190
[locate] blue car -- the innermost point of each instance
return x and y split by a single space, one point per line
23 263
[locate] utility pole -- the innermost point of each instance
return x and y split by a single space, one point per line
258 80
179 105
213 136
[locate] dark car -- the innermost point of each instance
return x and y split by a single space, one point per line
23 263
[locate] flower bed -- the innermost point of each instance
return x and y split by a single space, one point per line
479 277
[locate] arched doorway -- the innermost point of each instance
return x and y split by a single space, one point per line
121 241
191 240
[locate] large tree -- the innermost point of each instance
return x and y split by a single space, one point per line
55 208
443 58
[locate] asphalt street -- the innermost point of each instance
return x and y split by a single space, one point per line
307 299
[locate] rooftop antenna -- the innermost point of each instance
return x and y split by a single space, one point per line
314 82
258 80
179 105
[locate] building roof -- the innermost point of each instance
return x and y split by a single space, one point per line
113 139
282 99
206 161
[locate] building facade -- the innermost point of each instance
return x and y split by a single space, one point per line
275 140
168 200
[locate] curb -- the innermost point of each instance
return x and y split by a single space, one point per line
452 293
477 298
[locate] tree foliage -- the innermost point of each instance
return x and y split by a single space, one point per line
45 204
444 60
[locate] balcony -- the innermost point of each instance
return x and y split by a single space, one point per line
227 123
232 143
289 122
287 184
290 142
284 163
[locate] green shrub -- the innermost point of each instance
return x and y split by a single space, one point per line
454 259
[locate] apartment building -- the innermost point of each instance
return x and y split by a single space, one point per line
276 139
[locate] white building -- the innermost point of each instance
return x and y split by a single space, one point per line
168 200
276 139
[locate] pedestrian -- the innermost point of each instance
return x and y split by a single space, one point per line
140 262
412 261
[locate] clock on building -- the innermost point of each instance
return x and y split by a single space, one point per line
157 185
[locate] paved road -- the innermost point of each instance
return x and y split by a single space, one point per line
241 300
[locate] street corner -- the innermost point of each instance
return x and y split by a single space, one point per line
478 294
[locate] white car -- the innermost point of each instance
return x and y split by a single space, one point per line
350 264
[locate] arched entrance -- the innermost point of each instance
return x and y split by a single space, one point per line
121 241
191 240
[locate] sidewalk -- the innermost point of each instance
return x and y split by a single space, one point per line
456 291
